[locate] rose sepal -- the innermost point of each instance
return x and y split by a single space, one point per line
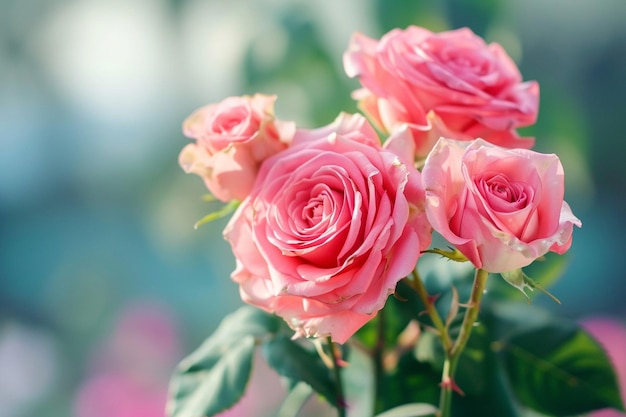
518 279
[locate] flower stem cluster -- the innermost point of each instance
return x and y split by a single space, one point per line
326 222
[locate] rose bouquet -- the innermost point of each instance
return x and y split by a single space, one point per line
374 240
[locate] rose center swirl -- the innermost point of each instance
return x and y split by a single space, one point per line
314 217
502 194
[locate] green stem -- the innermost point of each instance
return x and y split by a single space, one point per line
452 355
341 403
377 356
422 293
473 307
445 395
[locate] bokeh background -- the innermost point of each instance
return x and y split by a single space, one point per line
104 283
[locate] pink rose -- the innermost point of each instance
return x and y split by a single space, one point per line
475 89
502 208
233 138
330 227
402 141
351 126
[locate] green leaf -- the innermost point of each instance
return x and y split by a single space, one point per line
410 410
214 377
294 362
480 375
198 391
505 318
223 212
245 321
558 369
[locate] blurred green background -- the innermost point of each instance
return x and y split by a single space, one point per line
104 284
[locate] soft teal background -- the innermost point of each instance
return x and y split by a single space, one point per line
96 216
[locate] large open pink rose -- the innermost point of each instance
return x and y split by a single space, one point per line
475 89
502 208
330 227
233 138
